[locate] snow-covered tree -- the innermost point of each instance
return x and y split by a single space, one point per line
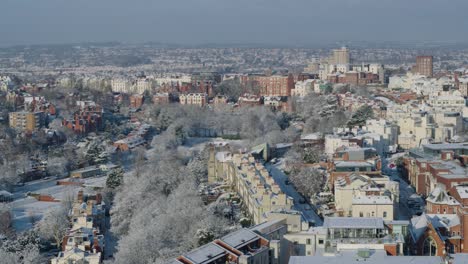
57 166
153 213
54 225
22 250
361 115
307 180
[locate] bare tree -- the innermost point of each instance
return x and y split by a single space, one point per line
5 220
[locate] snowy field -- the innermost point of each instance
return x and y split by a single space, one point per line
27 210
199 143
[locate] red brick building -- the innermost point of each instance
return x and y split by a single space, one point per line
87 119
275 85
136 100
161 98
424 65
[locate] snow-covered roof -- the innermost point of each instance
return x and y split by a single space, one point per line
419 223
346 164
240 238
462 191
223 156
206 253
439 196
311 136
372 200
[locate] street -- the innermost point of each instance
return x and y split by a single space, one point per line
279 177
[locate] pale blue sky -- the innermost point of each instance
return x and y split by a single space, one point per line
281 22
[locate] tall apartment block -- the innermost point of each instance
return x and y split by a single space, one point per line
340 56
424 65
27 121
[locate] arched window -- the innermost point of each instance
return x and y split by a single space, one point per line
429 247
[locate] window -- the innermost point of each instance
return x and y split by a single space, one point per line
373 214
308 241
429 247
384 214
361 214
320 241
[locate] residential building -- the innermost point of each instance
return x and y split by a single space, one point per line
87 119
75 255
141 85
347 233
129 143
198 99
86 172
26 121
349 160
252 181
250 100
424 65
340 56
303 88
242 247
136 100
121 85
174 79
436 165
220 100
161 98
83 242
365 255
463 86
359 195
386 133
275 85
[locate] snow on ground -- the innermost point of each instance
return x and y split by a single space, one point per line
27 210
199 143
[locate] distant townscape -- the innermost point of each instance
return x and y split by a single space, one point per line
113 153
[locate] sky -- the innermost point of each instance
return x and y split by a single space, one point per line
272 22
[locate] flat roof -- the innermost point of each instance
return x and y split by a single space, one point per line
345 164
206 253
376 256
444 146
462 191
372 200
240 238
353 222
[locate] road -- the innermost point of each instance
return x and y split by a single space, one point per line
279 177
32 186
406 191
